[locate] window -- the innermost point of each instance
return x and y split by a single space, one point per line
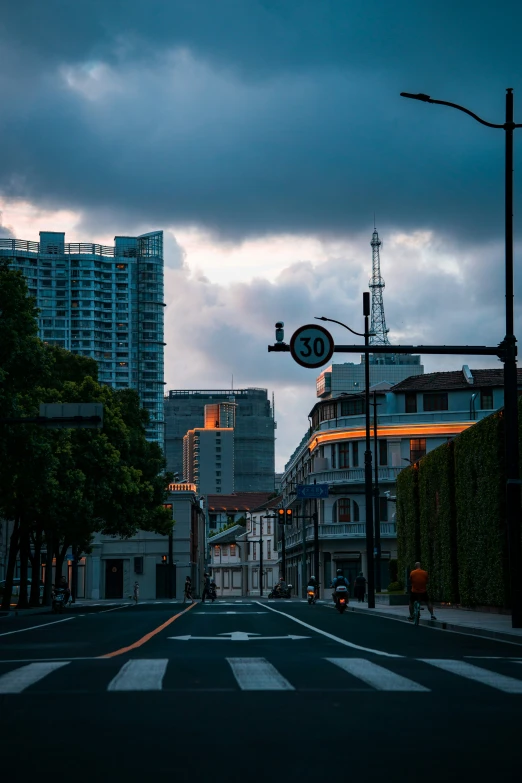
417 448
333 452
254 550
269 550
383 452
355 511
343 508
344 456
486 399
269 527
353 407
232 550
410 402
225 551
328 411
435 401
355 454
218 473
383 509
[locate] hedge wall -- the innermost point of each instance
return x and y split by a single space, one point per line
480 513
408 534
438 533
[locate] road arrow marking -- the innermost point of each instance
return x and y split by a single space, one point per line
235 636
241 613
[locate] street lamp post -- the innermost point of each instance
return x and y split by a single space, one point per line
510 363
376 510
368 450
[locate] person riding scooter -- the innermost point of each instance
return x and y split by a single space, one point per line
339 581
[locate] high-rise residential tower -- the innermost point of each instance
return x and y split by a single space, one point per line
254 431
105 302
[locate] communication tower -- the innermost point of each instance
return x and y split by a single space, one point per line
378 321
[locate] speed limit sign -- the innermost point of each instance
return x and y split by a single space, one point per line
312 346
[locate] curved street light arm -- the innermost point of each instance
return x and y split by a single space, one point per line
426 98
322 318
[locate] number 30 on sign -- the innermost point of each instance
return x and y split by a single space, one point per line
312 346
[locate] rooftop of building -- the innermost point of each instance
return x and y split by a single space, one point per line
272 503
454 380
52 243
237 501
227 393
227 536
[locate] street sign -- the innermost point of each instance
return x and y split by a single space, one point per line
305 491
312 346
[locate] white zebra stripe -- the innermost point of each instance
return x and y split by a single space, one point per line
377 676
20 679
257 674
140 675
499 681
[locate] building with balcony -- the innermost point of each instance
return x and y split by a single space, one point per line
254 431
105 302
414 417
244 557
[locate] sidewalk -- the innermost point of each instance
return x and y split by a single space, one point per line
466 621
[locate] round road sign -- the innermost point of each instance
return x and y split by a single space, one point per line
312 346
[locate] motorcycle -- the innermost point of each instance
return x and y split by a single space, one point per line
341 598
281 592
310 593
59 600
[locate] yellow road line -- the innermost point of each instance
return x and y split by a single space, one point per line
147 636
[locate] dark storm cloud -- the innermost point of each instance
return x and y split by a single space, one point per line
251 117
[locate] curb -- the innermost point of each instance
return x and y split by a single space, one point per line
445 626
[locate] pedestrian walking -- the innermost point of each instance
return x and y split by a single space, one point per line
360 587
136 592
206 588
188 590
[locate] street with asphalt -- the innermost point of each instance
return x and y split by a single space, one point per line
253 690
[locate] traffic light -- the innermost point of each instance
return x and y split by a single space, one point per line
289 516
164 558
285 516
281 515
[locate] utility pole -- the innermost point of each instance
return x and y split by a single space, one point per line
368 459
283 552
377 510
316 539
261 557
303 557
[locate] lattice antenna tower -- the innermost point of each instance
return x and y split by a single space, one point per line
378 320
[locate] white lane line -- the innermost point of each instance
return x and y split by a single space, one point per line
330 635
140 675
257 674
377 676
35 627
471 672
20 679
123 606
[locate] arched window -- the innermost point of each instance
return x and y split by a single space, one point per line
355 511
341 510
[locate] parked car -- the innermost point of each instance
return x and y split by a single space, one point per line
16 588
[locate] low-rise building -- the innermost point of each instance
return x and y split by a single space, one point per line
115 564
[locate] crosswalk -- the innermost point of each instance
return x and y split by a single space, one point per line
260 674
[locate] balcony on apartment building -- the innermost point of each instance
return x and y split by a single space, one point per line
348 475
336 530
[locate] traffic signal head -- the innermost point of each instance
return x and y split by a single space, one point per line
281 515
289 516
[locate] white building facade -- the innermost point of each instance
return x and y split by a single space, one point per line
414 417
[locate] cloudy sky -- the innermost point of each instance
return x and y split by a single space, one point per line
262 136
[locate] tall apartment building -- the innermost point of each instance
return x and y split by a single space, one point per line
348 378
105 302
208 460
254 432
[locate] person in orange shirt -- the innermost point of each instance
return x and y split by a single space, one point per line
418 589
